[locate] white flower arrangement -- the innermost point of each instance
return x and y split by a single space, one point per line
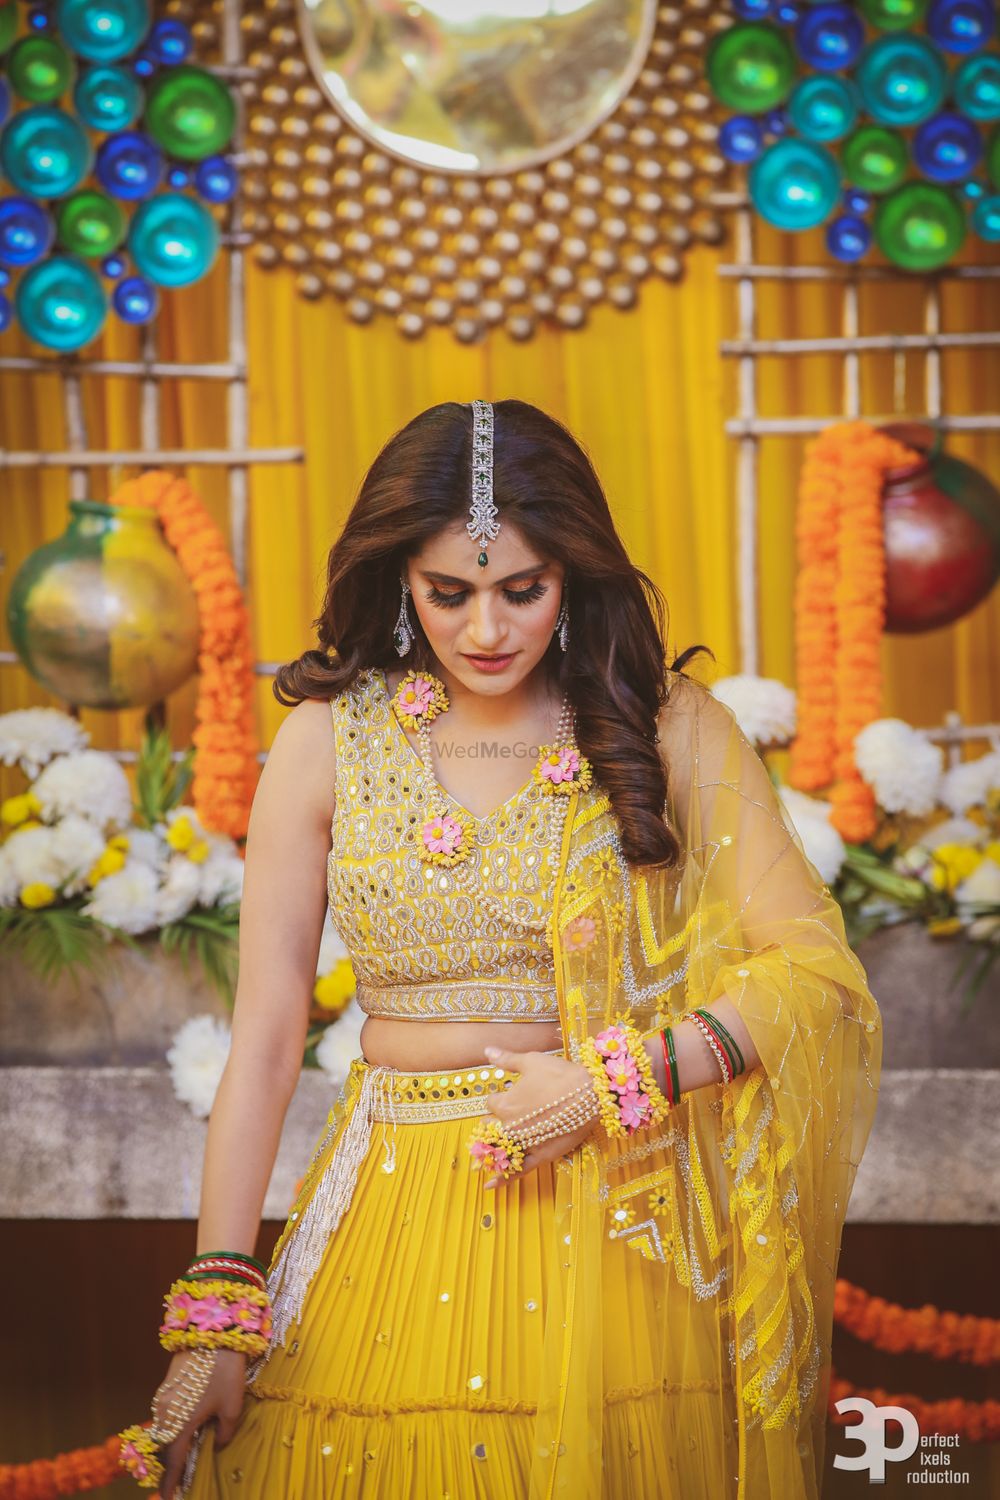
970 783
764 708
197 1058
809 817
341 1043
902 767
72 853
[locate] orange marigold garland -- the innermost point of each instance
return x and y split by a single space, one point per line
225 768
840 613
920 1330
67 1474
977 1421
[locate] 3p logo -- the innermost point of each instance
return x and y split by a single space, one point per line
870 1430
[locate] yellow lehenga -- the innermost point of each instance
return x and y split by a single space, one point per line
648 1317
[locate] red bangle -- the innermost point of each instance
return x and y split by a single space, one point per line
669 1090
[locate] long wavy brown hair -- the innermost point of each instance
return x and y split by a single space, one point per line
543 483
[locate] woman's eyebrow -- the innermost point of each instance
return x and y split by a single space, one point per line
449 578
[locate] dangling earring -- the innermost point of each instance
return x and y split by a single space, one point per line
562 624
402 635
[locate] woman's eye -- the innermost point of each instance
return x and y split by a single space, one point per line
516 596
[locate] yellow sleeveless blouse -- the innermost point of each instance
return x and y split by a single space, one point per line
421 945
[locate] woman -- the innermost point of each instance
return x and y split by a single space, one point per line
636 1299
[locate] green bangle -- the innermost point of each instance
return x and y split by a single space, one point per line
672 1056
249 1260
728 1044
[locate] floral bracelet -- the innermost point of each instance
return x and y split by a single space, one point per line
216 1314
628 1094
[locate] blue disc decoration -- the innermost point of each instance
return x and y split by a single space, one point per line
103 30
170 42
830 37
902 79
107 98
173 239
26 231
824 107
135 300
130 165
741 138
976 87
795 184
857 202
216 179
961 25
4 100
947 147
61 303
848 237
45 152
6 313
112 265
986 218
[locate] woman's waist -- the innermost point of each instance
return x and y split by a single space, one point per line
463 996
455 1045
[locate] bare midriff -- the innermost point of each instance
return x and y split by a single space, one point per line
426 1046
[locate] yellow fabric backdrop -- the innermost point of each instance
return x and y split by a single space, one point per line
646 391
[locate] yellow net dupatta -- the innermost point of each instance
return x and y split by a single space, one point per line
726 1216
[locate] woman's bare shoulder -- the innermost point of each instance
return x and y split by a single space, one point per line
302 759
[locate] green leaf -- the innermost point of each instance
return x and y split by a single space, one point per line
54 940
161 781
992 953
210 937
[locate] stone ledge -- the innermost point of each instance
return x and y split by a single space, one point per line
115 1143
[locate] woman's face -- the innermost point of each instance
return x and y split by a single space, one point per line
506 610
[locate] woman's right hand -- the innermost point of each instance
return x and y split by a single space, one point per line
222 1400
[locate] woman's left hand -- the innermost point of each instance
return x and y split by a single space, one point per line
544 1079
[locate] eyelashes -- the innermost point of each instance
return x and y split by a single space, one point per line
516 596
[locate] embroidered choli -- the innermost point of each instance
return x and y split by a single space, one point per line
422 946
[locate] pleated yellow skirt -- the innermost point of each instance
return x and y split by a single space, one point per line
413 1371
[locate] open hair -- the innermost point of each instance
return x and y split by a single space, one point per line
545 485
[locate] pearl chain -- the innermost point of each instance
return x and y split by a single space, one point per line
582 1108
188 1389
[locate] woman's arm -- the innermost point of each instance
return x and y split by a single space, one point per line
281 919
696 1062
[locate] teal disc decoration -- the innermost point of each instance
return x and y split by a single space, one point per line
190 112
90 223
173 239
795 184
107 98
903 80
986 218
61 303
976 87
823 107
103 30
39 68
751 66
45 152
920 226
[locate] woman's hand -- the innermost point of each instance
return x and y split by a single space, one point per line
544 1079
223 1400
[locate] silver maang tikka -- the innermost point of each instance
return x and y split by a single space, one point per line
483 526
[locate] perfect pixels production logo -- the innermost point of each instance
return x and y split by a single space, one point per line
934 1450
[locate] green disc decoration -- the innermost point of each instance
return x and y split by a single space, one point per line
751 67
893 15
920 226
8 24
993 158
39 68
190 112
875 159
90 223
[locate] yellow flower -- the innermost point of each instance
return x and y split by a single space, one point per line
953 863
108 863
945 927
332 991
37 893
198 851
659 1203
992 850
181 834
119 841
622 1216
28 823
16 809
